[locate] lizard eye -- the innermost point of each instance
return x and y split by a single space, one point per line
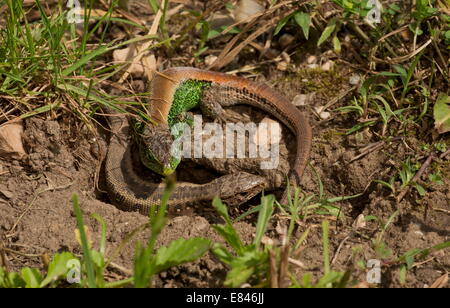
155 145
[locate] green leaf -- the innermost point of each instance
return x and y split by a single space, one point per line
263 218
409 257
327 32
336 44
329 278
144 265
221 209
442 114
39 110
14 280
383 251
244 266
403 73
304 21
32 277
238 275
436 178
230 236
57 267
281 24
221 252
420 189
84 243
181 251
402 274
84 60
97 259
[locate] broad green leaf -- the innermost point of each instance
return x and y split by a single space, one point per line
327 32
383 251
304 21
10 280
442 114
57 267
181 251
15 281
32 277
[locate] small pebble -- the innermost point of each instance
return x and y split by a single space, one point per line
282 66
327 65
303 99
210 59
322 114
311 60
354 79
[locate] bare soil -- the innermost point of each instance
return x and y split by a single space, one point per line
65 157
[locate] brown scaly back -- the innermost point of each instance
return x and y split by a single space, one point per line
259 95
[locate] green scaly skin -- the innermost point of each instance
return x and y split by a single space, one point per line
187 96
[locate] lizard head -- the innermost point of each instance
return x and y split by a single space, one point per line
155 149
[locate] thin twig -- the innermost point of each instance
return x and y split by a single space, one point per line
443 155
372 148
28 255
120 268
336 255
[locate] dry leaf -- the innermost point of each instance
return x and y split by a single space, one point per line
88 236
11 140
441 114
126 55
359 222
247 8
440 282
304 99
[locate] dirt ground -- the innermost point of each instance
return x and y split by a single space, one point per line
64 157
37 216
